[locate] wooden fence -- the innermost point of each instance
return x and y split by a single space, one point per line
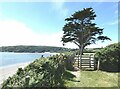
87 61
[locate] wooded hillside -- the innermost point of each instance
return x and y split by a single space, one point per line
33 49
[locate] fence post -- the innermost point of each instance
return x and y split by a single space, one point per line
98 64
80 64
90 61
94 64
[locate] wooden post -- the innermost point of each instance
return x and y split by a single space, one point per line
94 64
94 61
90 61
78 60
81 64
98 64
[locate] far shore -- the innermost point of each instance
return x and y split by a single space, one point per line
7 71
30 52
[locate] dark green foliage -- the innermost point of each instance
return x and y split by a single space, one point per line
44 72
69 61
109 57
80 29
33 49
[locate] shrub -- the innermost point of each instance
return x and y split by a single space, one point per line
69 61
44 72
109 57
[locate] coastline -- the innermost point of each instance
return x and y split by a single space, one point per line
7 71
14 65
10 58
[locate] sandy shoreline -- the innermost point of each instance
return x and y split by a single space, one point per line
7 71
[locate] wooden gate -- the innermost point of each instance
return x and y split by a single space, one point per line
87 61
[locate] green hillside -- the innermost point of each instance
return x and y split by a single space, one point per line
33 49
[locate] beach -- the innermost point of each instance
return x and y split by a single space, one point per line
7 71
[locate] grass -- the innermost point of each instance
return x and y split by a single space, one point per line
94 79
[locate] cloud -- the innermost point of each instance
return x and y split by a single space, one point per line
13 32
16 33
100 44
59 7
1 13
97 45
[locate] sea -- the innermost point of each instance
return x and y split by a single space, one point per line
11 58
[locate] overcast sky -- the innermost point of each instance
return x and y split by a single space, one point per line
41 23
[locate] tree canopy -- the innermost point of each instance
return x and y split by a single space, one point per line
80 29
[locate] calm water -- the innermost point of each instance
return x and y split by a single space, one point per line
9 58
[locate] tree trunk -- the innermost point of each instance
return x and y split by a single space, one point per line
80 56
81 51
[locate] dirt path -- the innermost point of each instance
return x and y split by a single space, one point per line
76 73
77 79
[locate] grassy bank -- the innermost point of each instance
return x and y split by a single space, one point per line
94 79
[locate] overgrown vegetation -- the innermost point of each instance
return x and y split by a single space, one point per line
51 72
109 57
44 72
69 60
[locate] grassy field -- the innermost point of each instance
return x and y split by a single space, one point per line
92 79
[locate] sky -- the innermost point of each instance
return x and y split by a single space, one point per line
41 23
